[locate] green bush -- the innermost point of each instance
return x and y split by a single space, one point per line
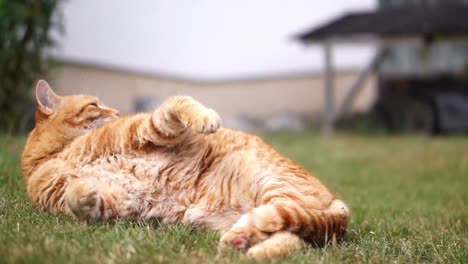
25 27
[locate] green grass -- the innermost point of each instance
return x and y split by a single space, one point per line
408 197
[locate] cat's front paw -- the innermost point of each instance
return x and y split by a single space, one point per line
205 121
183 112
82 198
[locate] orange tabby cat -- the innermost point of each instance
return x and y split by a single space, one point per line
175 164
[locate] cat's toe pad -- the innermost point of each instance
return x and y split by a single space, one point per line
239 241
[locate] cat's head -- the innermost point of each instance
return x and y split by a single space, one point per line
71 115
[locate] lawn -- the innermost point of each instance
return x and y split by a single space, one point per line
408 197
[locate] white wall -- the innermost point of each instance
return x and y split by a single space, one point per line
203 39
256 98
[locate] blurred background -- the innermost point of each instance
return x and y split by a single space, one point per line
265 66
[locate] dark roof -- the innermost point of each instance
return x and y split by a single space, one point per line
433 20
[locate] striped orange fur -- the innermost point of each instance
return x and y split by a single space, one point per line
175 164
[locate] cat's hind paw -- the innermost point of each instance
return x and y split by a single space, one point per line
82 198
242 238
238 241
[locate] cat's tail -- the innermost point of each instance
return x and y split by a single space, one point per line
319 229
328 225
282 226
317 226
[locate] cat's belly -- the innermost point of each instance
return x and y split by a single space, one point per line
136 186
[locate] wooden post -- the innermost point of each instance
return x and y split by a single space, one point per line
359 84
329 99
424 56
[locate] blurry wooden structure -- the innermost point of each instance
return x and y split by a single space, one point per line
422 63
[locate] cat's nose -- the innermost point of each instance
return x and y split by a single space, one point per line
117 113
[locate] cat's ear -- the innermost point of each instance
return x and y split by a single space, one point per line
47 101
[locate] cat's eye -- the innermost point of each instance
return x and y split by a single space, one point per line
93 104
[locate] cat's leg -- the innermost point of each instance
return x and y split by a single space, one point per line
47 185
54 189
266 246
279 244
166 126
98 198
243 234
82 199
220 220
286 215
179 113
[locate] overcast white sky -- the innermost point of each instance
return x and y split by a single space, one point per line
204 39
